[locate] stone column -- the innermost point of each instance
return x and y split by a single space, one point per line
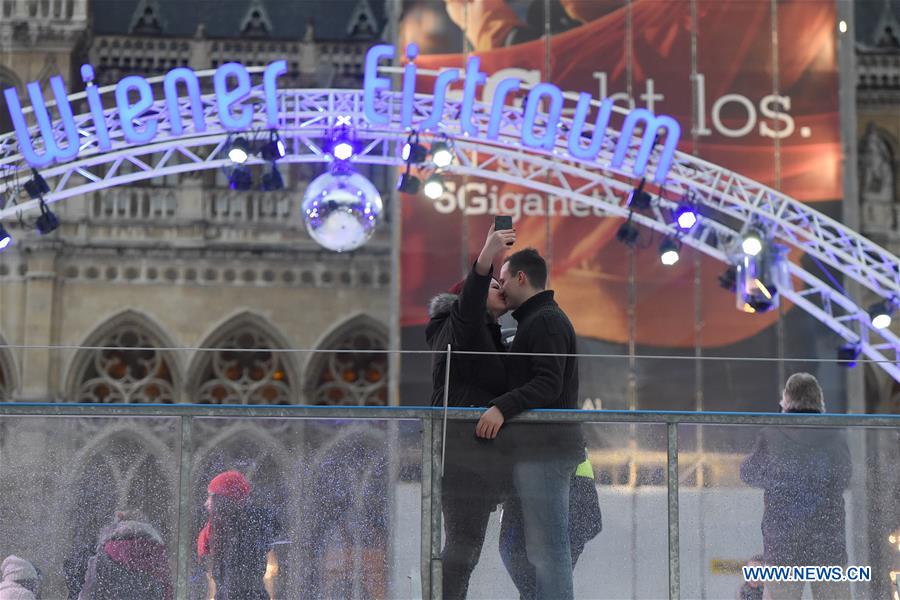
38 364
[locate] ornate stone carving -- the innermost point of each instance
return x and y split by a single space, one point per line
241 372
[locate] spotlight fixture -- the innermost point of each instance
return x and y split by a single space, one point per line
47 221
240 178
441 155
752 243
413 152
882 313
728 279
239 151
639 199
759 279
5 238
434 187
847 354
668 252
36 186
628 232
342 150
272 180
408 184
686 216
274 149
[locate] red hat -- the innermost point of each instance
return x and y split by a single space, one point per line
230 484
457 287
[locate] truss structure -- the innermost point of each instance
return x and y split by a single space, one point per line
729 203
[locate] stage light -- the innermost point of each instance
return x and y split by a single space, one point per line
434 187
668 252
343 150
274 149
847 354
240 178
341 209
627 233
413 152
408 184
639 199
882 313
752 243
759 278
239 151
5 238
842 26
441 155
272 180
47 221
36 186
686 216
728 279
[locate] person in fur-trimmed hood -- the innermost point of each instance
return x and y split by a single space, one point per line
130 563
20 579
476 474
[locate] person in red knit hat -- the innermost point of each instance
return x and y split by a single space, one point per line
236 541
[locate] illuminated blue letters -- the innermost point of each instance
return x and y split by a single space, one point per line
128 112
548 139
500 92
474 78
581 113
373 83
96 106
437 105
270 89
193 90
651 129
228 99
52 149
409 86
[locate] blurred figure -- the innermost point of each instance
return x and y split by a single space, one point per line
236 541
752 590
493 24
804 472
131 562
20 579
585 523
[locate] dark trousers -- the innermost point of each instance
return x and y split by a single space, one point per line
467 509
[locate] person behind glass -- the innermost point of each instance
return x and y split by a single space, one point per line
130 563
475 479
20 579
236 541
539 375
752 590
803 472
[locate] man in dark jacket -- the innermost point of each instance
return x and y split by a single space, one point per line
476 476
547 455
803 472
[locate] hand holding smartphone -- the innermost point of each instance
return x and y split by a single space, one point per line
503 223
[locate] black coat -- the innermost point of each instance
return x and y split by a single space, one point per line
463 322
535 380
803 472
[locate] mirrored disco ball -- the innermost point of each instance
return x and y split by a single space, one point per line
341 210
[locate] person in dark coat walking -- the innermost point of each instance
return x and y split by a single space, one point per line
542 372
237 540
131 563
803 472
476 475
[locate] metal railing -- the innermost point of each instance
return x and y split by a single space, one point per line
433 426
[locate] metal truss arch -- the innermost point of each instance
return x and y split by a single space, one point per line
306 117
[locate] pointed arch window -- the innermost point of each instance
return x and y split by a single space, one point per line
356 374
243 369
117 373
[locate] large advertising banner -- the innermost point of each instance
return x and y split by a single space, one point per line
753 85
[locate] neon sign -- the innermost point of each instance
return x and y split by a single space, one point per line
139 122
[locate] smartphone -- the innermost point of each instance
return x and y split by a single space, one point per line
502 222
